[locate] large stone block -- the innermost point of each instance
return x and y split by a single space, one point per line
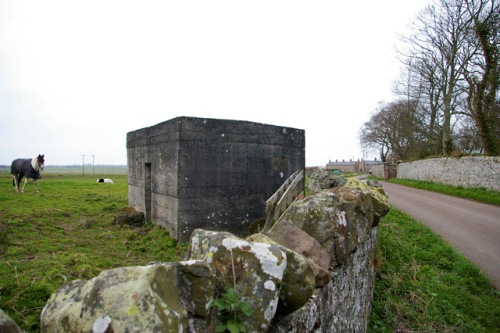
255 270
154 298
7 325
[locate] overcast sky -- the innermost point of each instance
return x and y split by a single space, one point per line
76 76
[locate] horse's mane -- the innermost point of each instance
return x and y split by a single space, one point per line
34 162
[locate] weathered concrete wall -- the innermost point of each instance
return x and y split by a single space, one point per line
152 158
467 171
210 173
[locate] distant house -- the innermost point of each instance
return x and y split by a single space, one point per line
343 166
352 166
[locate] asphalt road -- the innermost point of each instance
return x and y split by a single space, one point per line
472 228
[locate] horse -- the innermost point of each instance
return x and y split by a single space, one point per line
104 180
29 169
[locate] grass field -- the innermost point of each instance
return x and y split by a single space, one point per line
63 233
66 232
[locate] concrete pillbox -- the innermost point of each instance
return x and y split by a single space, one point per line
215 174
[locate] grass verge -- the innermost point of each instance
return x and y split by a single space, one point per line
424 285
476 193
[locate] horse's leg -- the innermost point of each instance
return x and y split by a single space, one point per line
34 183
16 183
24 185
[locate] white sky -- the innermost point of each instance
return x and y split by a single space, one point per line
76 76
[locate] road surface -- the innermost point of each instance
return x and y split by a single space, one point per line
472 228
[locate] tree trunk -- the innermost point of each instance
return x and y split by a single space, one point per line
481 101
447 141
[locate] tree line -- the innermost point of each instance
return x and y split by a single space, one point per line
447 96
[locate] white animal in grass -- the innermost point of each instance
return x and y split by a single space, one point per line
104 180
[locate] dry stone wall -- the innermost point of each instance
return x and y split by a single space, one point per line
467 171
313 272
344 304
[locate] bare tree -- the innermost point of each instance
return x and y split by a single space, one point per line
467 137
482 72
395 128
452 70
373 135
435 49
418 82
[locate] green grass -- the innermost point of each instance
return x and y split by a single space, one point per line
475 193
424 285
63 233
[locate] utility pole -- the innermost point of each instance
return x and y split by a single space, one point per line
93 170
83 164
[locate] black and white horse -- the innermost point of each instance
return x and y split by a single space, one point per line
27 169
